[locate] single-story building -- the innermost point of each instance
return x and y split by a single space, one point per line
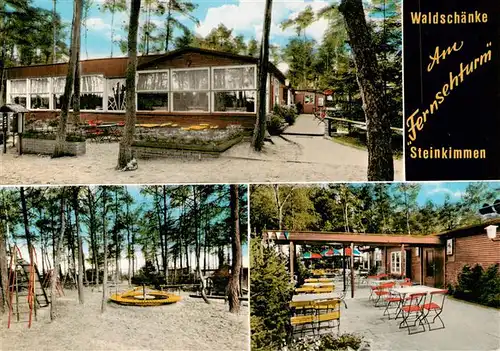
185 86
440 265
311 100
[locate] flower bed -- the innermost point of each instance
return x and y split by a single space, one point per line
197 141
43 143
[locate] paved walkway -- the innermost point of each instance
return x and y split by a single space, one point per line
468 327
306 125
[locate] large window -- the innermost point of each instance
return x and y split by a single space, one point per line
152 91
234 89
396 262
116 94
276 90
39 93
190 90
92 91
18 92
58 85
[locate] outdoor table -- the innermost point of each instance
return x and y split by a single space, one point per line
314 297
318 280
415 289
319 284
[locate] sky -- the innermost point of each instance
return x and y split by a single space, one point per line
245 17
437 191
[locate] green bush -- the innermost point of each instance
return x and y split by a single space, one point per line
327 342
271 292
490 287
275 125
72 137
286 113
478 285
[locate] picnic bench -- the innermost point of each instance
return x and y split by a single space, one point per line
98 131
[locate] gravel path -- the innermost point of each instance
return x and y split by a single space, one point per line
187 325
289 159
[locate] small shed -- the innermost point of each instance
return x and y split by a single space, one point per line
13 115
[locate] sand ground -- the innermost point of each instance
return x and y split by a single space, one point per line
290 159
189 324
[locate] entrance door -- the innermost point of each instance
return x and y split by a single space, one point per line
429 267
408 264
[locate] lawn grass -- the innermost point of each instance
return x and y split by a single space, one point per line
358 143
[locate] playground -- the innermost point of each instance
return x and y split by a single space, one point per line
189 324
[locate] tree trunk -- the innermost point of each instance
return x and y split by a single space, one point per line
3 269
198 245
76 92
125 154
169 29
70 77
57 253
379 135
129 244
25 219
54 32
260 124
164 233
105 244
234 281
76 191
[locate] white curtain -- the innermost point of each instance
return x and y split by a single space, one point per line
234 78
92 84
156 81
39 86
18 86
58 85
190 80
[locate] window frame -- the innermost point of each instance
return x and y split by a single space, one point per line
394 267
9 91
104 93
213 90
173 91
49 93
168 91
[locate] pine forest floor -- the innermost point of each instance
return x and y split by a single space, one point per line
190 324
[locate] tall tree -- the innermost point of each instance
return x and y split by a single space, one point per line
260 124
125 154
104 195
234 281
379 134
113 7
76 208
57 244
181 8
70 77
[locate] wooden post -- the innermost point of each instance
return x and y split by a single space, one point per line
352 270
292 259
403 257
4 131
421 255
343 264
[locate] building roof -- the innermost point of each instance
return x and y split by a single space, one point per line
301 237
473 229
116 66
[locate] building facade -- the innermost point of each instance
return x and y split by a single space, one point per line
441 265
185 86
